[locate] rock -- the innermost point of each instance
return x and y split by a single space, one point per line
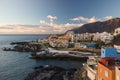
51 73
8 49
58 56
25 47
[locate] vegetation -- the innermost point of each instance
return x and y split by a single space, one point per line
60 34
116 39
47 45
99 44
70 45
57 48
81 78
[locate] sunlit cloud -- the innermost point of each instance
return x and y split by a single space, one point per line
45 27
19 29
108 17
51 17
52 27
90 20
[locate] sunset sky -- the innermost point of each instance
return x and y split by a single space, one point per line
53 16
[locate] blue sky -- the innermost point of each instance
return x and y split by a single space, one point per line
39 16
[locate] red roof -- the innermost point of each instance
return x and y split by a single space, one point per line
110 62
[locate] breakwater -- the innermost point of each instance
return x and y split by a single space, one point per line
86 50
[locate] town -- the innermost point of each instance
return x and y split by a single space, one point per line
104 61
60 40
100 53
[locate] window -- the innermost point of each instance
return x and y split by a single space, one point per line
106 74
103 52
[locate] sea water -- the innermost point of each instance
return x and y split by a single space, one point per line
17 65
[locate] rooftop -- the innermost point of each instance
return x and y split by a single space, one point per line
110 63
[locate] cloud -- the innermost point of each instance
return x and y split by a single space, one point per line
42 22
88 20
58 28
51 27
5 28
20 29
51 17
46 27
108 17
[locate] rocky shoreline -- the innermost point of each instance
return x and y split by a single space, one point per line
25 47
35 48
51 73
61 56
47 72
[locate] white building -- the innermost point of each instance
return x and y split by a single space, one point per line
117 31
91 68
76 45
53 43
84 36
57 51
70 34
96 36
117 47
104 36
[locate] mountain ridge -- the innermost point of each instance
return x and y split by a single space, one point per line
99 26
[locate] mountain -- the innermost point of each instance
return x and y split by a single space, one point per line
108 26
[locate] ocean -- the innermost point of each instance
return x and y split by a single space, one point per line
17 65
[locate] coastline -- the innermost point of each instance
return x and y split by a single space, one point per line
21 47
60 57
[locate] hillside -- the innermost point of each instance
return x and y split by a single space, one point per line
107 26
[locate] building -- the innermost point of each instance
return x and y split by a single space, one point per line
117 72
90 46
76 45
91 72
106 69
109 66
117 47
109 52
53 43
52 37
104 36
91 68
96 36
70 35
62 39
117 31
83 37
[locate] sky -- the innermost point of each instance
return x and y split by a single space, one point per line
53 16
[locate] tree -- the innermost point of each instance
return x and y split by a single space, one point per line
116 39
99 44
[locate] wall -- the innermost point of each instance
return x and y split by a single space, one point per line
91 73
109 52
101 73
91 46
117 73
